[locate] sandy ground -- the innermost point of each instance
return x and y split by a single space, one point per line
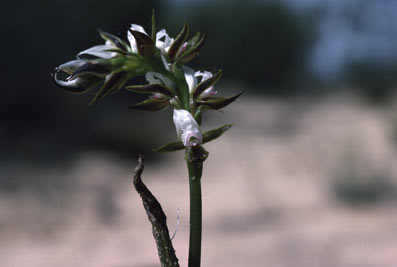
270 191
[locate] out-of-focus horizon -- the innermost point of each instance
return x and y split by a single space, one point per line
310 163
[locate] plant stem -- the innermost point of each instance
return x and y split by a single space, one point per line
195 158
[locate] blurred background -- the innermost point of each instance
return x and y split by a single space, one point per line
306 177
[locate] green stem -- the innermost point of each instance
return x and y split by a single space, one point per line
195 158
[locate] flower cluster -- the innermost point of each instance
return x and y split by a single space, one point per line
162 60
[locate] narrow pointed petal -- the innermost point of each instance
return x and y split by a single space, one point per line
151 104
218 102
158 78
150 88
138 28
97 51
205 84
116 50
210 135
179 40
189 78
163 41
167 65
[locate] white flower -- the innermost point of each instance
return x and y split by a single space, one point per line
163 41
205 75
191 80
131 39
187 128
99 51
158 78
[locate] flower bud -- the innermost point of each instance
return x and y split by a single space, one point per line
187 128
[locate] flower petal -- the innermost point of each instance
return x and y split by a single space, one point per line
208 93
163 41
167 65
158 78
205 88
138 28
205 75
187 128
98 51
190 78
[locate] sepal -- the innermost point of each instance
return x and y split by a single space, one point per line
193 48
150 88
179 40
78 85
90 68
170 147
218 102
144 43
116 41
117 50
70 66
203 85
113 82
151 104
210 135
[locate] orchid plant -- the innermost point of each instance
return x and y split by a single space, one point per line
162 60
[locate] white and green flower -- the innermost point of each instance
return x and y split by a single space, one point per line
194 78
187 128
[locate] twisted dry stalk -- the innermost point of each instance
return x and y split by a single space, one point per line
157 218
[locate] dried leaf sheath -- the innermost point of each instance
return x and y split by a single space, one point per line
157 218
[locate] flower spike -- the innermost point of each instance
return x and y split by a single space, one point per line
161 61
